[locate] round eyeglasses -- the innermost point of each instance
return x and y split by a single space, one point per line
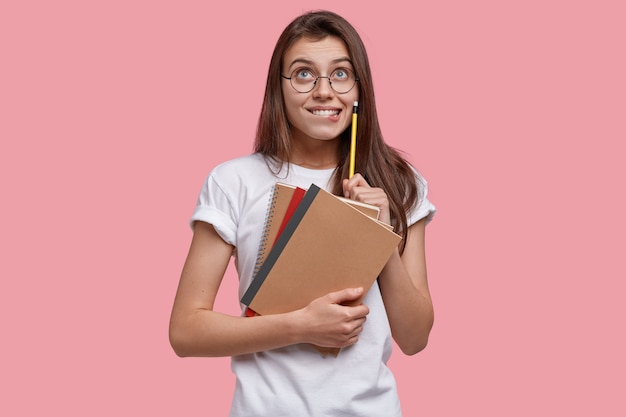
303 80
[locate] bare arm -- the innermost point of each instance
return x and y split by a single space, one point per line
404 287
197 330
403 280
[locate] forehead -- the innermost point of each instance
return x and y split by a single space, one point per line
323 52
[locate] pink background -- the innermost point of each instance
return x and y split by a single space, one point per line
113 112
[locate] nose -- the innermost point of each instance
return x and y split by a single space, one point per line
321 88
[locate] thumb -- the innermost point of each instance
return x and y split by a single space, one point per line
346 192
347 294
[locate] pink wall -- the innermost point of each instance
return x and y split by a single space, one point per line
112 114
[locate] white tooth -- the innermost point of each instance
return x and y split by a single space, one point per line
325 112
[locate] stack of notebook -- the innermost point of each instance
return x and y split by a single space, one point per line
315 243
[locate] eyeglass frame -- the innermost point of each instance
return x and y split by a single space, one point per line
317 77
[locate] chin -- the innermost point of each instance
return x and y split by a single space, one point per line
325 138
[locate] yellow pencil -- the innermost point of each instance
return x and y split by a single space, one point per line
353 139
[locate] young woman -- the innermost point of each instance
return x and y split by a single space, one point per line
319 68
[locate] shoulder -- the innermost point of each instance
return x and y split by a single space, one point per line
240 165
240 175
229 188
244 169
423 207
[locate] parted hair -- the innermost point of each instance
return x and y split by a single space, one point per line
380 164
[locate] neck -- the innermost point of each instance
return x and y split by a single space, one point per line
321 165
316 154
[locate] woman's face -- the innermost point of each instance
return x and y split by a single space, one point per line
322 113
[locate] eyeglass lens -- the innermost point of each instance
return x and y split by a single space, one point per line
304 80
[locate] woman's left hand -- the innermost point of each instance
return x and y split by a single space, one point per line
356 188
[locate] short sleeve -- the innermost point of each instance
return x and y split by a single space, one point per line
216 208
424 209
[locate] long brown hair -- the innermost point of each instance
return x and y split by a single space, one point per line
380 164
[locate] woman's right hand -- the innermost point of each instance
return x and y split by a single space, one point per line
326 322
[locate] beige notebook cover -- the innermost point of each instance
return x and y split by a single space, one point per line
278 207
326 246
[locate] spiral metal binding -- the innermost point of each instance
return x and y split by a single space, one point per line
264 245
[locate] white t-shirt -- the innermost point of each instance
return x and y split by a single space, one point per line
297 380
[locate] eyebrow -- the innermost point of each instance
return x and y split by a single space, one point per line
311 63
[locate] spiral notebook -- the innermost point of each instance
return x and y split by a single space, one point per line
326 245
283 202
